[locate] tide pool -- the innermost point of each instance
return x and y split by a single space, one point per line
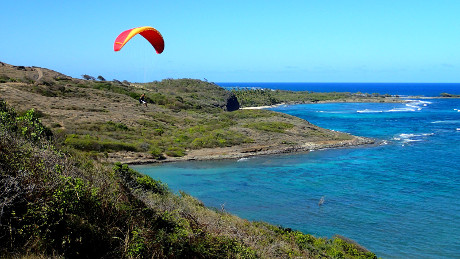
400 199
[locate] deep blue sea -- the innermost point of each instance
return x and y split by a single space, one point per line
422 89
400 199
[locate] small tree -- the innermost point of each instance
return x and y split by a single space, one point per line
87 77
101 78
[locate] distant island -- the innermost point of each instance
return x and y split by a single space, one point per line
450 95
68 192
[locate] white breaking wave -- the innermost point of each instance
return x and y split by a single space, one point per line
411 106
410 137
417 104
446 122
424 103
368 111
333 112
403 110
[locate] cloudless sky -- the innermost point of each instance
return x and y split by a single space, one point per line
239 41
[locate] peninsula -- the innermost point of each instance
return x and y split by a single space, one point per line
184 119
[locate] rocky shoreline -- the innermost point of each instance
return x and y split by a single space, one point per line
236 152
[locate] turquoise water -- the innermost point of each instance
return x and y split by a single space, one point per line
400 199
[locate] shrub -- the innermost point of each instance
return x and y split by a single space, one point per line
29 124
4 78
175 152
219 138
157 153
136 180
88 143
113 126
147 183
272 126
136 244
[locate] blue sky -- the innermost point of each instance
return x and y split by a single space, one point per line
240 41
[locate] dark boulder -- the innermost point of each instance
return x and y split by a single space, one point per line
232 103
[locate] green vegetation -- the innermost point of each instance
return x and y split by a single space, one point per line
264 97
4 79
271 126
450 95
59 202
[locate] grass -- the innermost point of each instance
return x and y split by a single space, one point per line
273 126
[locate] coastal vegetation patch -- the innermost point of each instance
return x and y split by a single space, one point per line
249 97
272 126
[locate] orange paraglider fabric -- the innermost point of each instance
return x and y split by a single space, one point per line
149 33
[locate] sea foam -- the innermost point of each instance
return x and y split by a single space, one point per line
368 111
410 137
446 122
411 106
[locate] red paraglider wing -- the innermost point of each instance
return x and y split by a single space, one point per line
149 33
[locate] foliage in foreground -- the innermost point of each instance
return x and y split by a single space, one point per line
54 203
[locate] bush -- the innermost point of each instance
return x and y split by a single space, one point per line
113 126
271 126
29 124
138 181
88 143
175 152
157 153
4 79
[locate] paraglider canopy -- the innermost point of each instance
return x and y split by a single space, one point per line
149 33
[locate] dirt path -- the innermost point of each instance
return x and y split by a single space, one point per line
40 73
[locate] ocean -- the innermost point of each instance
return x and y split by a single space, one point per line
399 198
403 89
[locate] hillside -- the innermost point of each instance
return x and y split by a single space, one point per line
58 200
184 118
